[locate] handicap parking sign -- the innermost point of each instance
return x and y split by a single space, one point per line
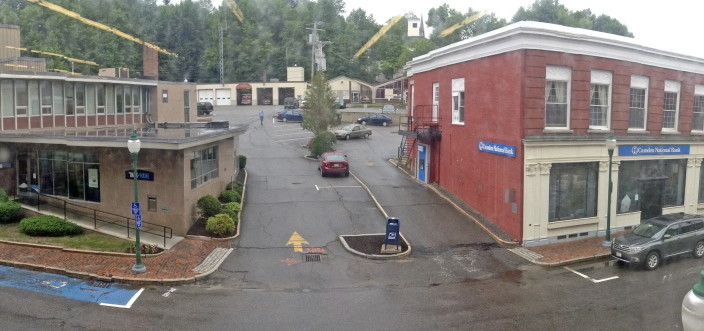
135 208
138 221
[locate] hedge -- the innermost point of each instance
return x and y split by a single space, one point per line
209 206
220 225
49 226
10 212
229 196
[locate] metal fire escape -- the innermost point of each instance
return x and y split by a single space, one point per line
423 126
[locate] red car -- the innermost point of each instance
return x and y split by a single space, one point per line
334 163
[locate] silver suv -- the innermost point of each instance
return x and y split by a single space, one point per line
660 237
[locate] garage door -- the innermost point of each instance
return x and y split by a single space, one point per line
222 97
205 95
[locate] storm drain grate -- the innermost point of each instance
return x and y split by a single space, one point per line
100 284
313 257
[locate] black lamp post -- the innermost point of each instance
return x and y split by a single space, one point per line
134 145
610 146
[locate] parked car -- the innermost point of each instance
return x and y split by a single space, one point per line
388 109
290 116
334 163
661 237
290 103
341 103
204 108
376 119
353 131
266 100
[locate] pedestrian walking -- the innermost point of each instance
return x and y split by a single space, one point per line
261 117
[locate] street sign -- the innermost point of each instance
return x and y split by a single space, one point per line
135 208
138 221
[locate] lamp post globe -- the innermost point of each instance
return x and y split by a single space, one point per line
610 146
134 145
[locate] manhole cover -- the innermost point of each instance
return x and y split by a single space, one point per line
312 257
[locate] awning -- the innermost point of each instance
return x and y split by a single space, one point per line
243 86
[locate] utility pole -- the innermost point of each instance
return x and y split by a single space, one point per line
316 52
222 65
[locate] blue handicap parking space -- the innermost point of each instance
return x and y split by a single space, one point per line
107 294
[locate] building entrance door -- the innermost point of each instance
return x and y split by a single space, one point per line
651 196
422 166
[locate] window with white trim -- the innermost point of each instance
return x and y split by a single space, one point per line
698 124
671 105
637 114
557 101
100 96
458 101
600 100
80 98
45 88
204 166
21 98
436 101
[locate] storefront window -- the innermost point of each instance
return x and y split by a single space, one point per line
75 175
650 184
573 188
204 166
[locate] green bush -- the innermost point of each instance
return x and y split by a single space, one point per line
49 226
229 196
10 212
242 161
236 186
232 209
146 249
209 205
220 225
3 196
324 142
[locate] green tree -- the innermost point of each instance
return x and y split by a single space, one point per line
552 11
319 111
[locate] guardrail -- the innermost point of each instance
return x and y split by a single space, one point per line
81 212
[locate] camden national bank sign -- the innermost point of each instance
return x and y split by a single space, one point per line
638 150
500 149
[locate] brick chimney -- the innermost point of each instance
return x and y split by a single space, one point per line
150 58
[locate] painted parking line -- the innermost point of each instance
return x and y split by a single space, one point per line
105 294
589 278
318 188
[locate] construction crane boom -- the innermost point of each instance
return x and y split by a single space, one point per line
55 54
464 22
378 36
235 10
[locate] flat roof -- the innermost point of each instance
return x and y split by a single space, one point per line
172 136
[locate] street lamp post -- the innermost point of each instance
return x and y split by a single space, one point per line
610 146
134 145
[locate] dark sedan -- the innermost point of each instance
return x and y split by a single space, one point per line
290 116
205 108
375 119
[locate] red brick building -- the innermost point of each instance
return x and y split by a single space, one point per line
514 123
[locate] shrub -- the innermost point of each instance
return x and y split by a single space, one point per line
209 206
232 209
10 212
3 196
220 225
229 196
324 142
236 186
242 161
49 226
146 249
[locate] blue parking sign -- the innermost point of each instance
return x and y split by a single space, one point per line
135 208
138 221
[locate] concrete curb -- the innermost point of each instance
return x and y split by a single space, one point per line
571 261
376 256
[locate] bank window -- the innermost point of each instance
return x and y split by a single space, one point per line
21 98
573 191
80 98
136 99
671 106
33 93
600 100
649 185
128 99
90 99
637 114
7 98
58 98
119 100
557 89
100 98
73 175
45 88
204 166
698 124
69 98
458 101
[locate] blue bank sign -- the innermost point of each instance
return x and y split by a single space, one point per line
637 150
500 149
141 175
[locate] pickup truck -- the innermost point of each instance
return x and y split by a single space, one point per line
353 131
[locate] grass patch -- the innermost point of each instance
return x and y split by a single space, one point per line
90 240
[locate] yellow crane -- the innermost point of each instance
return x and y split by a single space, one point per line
100 26
464 22
378 36
235 10
57 55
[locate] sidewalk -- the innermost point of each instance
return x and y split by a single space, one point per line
564 253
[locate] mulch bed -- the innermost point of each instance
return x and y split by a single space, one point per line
198 228
370 244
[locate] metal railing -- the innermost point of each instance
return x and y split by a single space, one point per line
78 212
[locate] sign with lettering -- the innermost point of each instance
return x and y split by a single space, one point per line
499 149
638 150
141 175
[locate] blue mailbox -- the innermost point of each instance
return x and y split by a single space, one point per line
392 231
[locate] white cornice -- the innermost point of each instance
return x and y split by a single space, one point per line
556 38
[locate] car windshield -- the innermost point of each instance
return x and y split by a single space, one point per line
348 127
335 157
648 229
